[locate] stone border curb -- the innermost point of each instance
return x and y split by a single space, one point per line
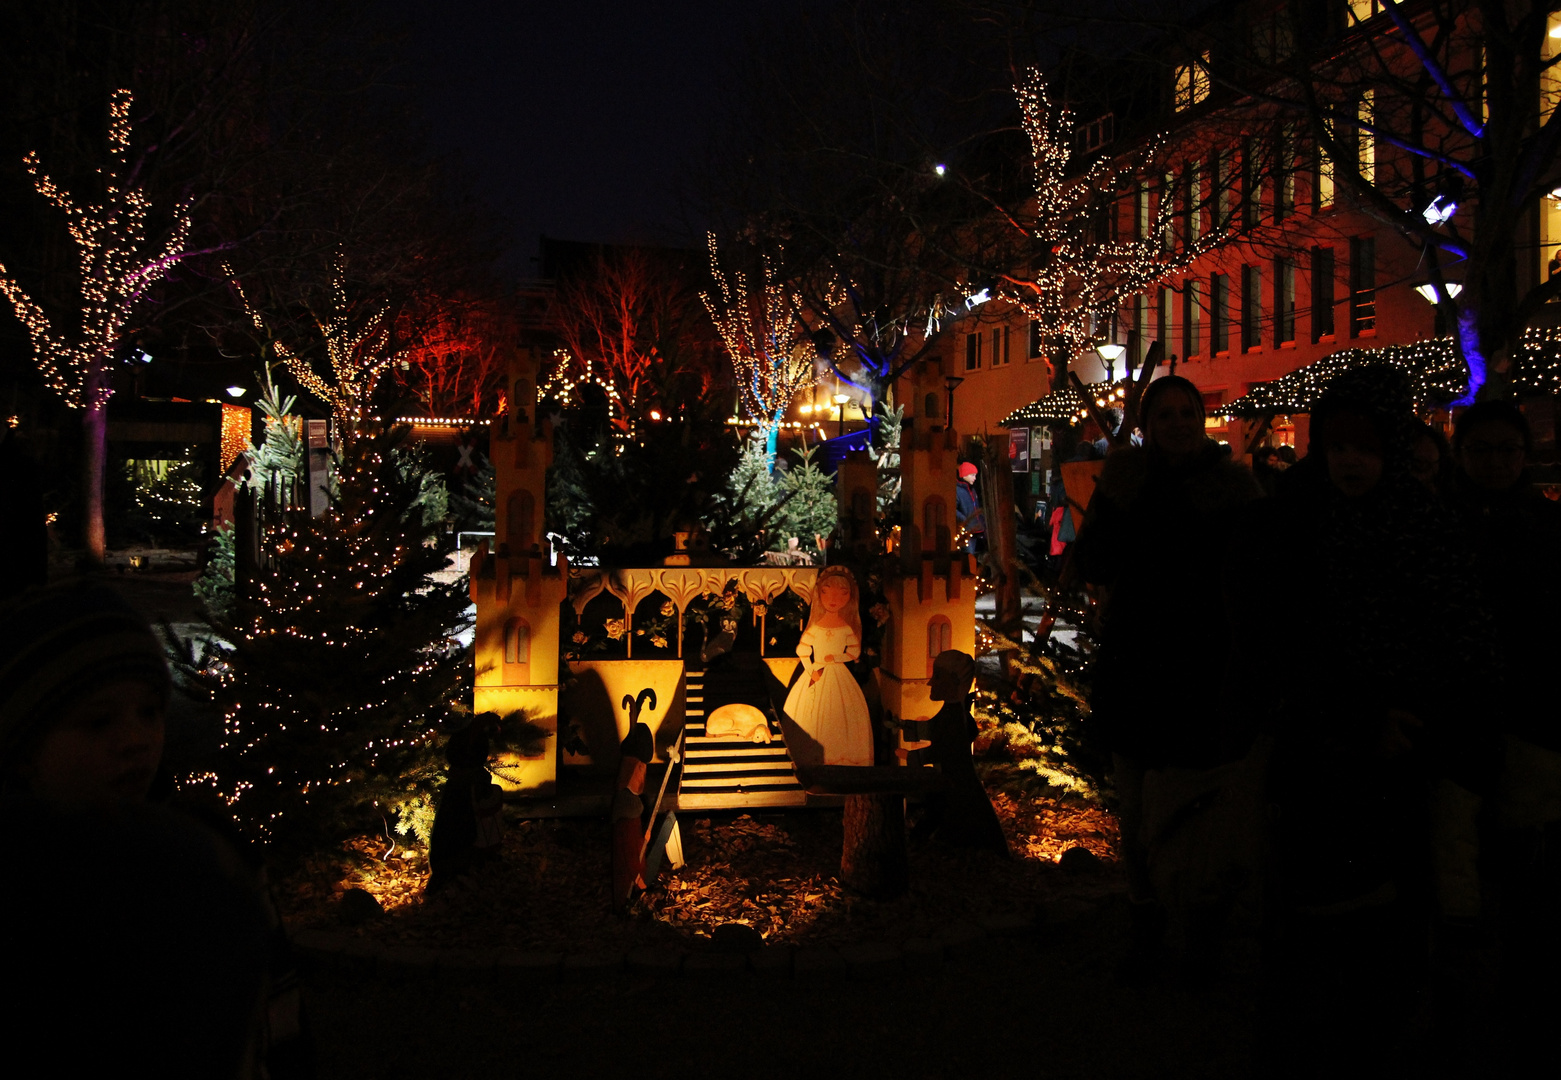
333 950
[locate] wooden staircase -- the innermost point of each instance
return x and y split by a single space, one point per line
721 774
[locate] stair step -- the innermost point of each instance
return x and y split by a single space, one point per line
713 785
737 754
699 800
737 765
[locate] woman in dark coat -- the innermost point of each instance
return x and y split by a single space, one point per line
1155 546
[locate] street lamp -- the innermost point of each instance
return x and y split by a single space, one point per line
1432 295
1110 353
840 403
951 381
235 391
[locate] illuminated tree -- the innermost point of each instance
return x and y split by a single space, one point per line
762 331
629 320
357 346
117 267
338 658
1083 269
456 361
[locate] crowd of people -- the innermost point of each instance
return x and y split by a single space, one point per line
1387 784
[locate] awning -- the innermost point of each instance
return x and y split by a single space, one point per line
1436 375
1064 405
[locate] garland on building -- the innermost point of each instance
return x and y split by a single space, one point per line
1435 372
1066 405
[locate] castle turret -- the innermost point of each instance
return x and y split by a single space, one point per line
932 602
517 586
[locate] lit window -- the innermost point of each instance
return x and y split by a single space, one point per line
1323 190
1549 78
1361 10
1192 83
1368 142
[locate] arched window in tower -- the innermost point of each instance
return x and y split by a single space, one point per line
940 638
522 399
517 643
934 524
932 407
520 523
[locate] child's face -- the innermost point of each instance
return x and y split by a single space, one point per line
104 750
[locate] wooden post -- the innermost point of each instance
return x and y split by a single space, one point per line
874 861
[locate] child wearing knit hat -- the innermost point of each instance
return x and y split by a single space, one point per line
83 694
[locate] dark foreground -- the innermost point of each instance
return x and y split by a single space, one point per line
1043 1007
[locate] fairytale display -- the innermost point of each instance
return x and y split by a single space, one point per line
825 701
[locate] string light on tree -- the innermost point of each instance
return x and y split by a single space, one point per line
117 268
356 355
1083 272
770 348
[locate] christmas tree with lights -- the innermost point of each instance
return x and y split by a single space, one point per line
339 662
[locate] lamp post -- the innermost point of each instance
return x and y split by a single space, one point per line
840 403
1110 353
951 381
1434 295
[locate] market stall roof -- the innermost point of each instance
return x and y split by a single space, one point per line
1064 404
1435 374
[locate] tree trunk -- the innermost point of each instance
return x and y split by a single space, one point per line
94 463
874 862
1002 535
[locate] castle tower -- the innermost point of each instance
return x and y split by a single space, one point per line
515 586
932 601
856 492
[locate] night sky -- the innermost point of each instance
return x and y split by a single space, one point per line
575 119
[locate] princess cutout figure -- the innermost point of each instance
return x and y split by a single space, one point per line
825 701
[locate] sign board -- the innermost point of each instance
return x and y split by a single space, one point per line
1019 449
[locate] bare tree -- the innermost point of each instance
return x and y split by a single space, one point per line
118 265
629 318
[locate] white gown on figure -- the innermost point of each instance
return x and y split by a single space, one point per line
832 710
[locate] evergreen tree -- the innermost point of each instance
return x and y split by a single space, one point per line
810 510
339 661
473 504
886 455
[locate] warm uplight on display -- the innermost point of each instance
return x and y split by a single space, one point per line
654 415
